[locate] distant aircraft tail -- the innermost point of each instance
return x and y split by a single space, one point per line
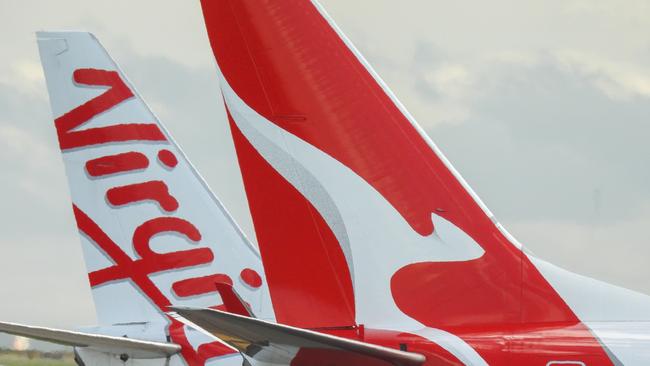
152 232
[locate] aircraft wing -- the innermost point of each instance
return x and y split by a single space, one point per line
117 345
266 341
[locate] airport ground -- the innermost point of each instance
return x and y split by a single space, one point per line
35 358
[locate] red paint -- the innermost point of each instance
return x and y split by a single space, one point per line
434 353
251 277
160 225
155 190
211 350
232 303
423 290
283 59
199 285
150 261
305 267
167 158
537 344
334 357
116 93
138 271
119 163
204 352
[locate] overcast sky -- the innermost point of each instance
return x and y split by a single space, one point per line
542 105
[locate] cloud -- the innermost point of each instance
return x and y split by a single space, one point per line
25 76
617 80
634 10
558 137
17 141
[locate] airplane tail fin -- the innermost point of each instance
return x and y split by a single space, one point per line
383 229
152 232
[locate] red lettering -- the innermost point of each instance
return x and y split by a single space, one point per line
114 164
137 271
153 227
167 158
154 190
199 285
116 93
251 277
150 261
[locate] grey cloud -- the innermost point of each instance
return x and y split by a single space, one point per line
33 180
558 139
40 257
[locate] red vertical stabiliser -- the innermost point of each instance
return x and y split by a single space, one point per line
305 266
284 60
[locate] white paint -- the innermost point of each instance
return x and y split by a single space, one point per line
61 54
121 301
381 241
413 122
618 317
